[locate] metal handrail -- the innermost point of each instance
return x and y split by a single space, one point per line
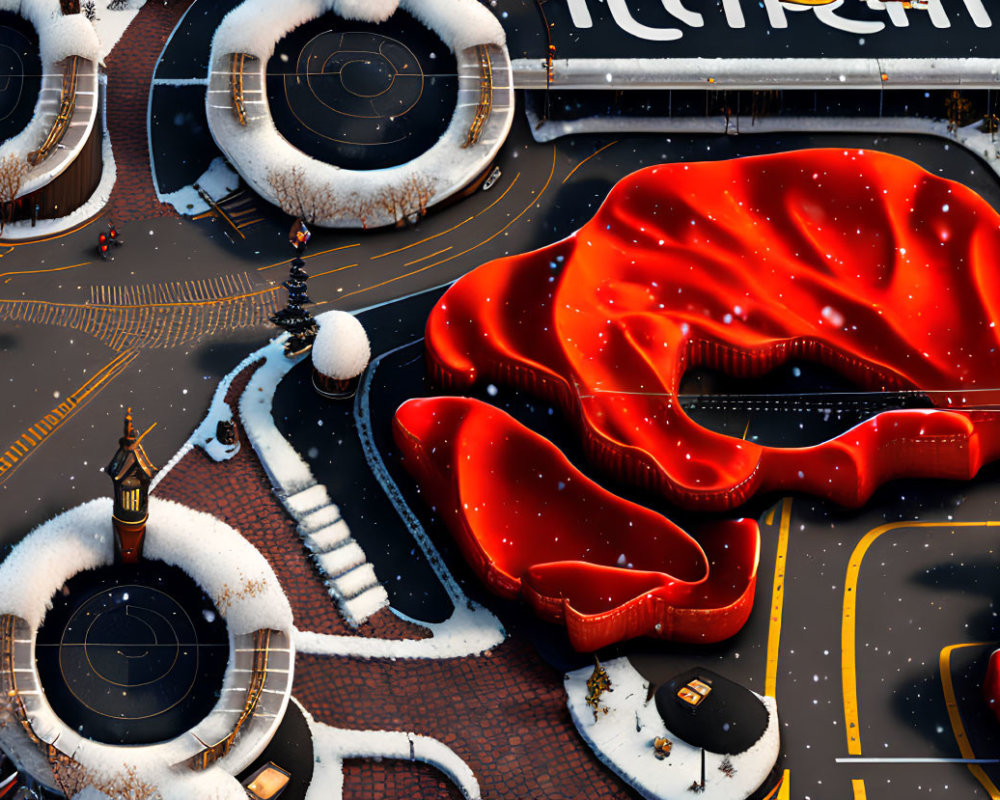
258 677
67 103
236 81
485 105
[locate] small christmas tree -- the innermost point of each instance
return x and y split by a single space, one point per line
295 319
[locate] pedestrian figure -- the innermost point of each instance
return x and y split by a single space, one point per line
113 236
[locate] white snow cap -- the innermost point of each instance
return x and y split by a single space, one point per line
366 10
341 350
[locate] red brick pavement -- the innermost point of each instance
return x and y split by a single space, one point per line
239 493
130 73
504 713
393 779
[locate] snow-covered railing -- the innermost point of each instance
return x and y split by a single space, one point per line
257 150
977 141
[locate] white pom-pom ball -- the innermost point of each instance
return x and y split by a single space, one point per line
341 350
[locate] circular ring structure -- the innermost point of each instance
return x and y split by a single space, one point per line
370 95
132 654
143 666
362 96
20 74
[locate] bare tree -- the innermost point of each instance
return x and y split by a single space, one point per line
406 201
419 191
362 208
301 198
13 169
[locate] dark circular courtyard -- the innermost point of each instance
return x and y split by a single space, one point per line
362 96
132 654
20 74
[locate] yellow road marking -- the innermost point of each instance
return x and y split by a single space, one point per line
417 261
777 600
13 458
785 792
848 657
311 255
124 306
596 153
459 225
70 232
40 271
527 208
769 519
955 716
858 785
331 271
429 238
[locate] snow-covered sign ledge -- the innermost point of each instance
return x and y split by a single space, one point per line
59 36
223 563
257 148
758 73
623 739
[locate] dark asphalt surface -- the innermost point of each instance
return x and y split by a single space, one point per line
362 96
132 654
20 74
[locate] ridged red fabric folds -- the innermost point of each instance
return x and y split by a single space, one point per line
859 260
530 524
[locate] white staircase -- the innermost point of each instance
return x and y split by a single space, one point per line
348 576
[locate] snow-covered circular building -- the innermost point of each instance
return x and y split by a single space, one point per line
303 139
340 354
131 649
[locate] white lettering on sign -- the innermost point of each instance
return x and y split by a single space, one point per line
827 14
832 14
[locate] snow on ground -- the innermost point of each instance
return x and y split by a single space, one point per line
286 469
623 740
471 629
110 25
332 745
211 552
217 181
